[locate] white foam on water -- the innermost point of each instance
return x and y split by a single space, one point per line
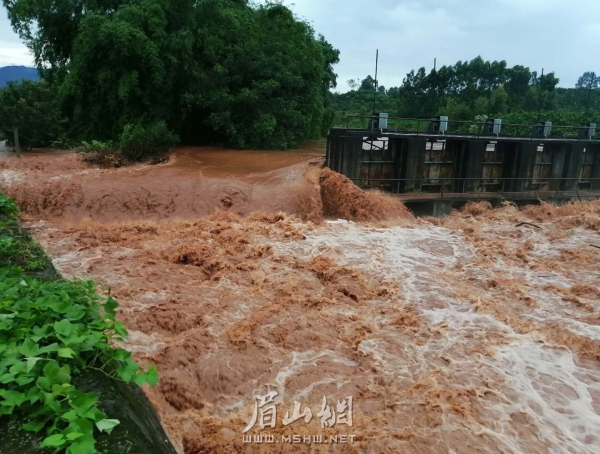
9 177
301 360
139 342
545 384
548 387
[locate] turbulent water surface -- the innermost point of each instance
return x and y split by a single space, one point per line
471 334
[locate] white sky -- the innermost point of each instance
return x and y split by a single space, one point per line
558 35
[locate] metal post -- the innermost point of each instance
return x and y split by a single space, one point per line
17 145
370 160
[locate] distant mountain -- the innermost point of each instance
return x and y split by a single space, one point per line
16 73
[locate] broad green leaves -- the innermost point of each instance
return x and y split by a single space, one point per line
150 377
107 425
48 332
66 352
54 441
29 348
63 327
11 398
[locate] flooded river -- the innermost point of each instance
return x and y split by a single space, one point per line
471 334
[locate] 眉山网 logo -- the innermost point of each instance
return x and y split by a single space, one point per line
340 412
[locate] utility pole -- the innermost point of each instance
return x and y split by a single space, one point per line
489 89
540 97
376 68
435 86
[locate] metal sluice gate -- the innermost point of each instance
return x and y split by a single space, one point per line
440 159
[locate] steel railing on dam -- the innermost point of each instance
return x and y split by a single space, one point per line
362 124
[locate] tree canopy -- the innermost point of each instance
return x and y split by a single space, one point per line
214 70
470 88
588 79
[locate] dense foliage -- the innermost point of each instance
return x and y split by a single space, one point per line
213 70
140 141
477 87
34 108
51 331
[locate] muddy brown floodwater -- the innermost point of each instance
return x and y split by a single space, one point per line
471 334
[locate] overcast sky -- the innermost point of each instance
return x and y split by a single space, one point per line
558 35
12 51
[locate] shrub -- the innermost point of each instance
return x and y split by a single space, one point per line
140 142
104 154
62 143
96 147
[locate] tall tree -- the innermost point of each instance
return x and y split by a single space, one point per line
517 85
588 79
368 83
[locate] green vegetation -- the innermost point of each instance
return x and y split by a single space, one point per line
139 142
16 248
476 88
52 330
62 144
252 76
97 147
8 208
34 108
104 154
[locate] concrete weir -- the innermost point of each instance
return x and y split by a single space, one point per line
446 165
